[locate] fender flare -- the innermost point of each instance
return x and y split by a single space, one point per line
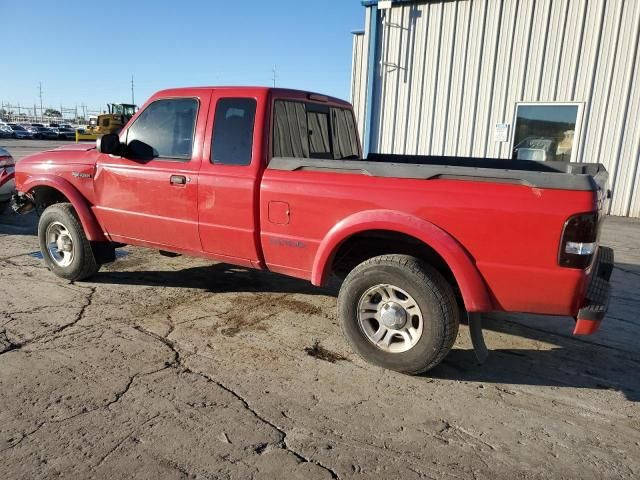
88 220
472 286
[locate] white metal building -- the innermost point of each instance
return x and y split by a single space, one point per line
534 79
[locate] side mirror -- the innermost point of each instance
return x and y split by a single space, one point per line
109 144
140 151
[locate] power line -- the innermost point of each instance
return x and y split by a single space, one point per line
40 90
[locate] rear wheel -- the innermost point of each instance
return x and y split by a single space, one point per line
64 245
399 313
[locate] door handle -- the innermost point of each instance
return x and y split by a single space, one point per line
178 180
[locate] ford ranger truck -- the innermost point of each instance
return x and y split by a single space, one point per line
274 179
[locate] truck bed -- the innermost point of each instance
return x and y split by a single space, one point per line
555 175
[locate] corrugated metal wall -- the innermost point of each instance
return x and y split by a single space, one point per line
449 71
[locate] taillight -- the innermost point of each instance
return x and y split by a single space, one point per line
579 241
6 161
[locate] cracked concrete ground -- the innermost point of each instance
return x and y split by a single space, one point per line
179 368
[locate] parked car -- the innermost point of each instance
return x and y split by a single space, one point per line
5 131
37 131
44 133
37 125
415 241
32 129
20 132
66 133
7 172
50 133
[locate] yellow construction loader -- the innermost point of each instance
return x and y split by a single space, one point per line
112 122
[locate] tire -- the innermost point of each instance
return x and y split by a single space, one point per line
77 261
408 281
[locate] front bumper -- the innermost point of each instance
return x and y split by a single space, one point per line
598 294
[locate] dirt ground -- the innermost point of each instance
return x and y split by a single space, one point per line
179 368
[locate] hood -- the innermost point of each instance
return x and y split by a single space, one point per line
80 154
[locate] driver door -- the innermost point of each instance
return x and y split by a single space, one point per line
150 197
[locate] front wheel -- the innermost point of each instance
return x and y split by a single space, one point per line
64 245
399 313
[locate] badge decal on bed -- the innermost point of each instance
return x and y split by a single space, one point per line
81 175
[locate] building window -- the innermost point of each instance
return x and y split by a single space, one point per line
546 132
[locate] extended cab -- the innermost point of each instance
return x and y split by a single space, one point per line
274 179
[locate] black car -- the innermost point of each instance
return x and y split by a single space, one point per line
44 132
66 133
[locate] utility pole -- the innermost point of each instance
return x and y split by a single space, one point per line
133 100
41 110
275 75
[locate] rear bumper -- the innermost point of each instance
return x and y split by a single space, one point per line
598 293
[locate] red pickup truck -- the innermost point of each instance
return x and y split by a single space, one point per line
274 179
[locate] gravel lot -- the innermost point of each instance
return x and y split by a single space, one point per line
179 368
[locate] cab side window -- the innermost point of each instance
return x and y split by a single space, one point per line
165 129
232 142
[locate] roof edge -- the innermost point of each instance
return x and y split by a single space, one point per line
374 3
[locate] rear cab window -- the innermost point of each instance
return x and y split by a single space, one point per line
311 130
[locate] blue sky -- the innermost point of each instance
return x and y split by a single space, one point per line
86 52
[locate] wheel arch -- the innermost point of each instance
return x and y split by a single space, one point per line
47 190
426 240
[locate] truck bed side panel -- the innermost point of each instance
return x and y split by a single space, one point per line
511 231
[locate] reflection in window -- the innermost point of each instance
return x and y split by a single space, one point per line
545 132
306 130
345 141
290 130
318 133
167 126
233 131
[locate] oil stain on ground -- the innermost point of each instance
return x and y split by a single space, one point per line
252 311
321 353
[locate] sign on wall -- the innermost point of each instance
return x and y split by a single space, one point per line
502 132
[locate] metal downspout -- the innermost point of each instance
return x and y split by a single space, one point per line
371 79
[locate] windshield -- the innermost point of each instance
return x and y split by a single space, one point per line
123 109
